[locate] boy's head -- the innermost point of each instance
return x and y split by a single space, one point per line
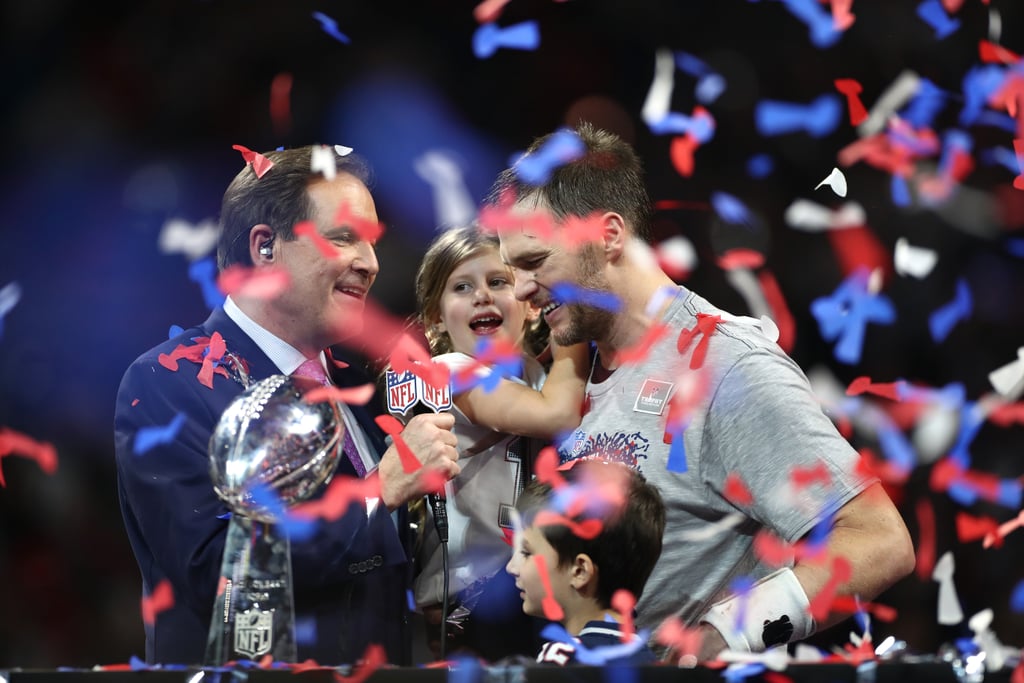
559 524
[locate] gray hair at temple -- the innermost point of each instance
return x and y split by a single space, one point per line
608 177
278 199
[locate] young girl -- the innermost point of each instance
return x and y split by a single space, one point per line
464 295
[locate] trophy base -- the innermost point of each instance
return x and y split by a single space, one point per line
254 611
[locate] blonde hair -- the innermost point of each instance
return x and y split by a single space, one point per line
443 256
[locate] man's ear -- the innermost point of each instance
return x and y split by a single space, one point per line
532 313
583 574
261 243
614 234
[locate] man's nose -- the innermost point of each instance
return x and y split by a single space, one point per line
525 287
366 260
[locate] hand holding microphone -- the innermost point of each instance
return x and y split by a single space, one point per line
406 393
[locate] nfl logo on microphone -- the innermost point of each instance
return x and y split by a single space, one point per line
401 390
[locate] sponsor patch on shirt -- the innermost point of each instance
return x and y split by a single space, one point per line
653 396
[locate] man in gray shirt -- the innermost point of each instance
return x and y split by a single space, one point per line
765 508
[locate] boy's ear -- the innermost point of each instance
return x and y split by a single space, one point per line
583 573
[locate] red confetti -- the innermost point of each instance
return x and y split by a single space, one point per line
308 229
706 325
340 364
546 467
624 602
1007 414
366 230
996 538
736 491
684 642
16 443
338 497
393 428
161 599
842 17
587 529
747 259
638 352
552 610
354 396
373 659
780 311
926 539
265 282
848 603
970 528
852 89
803 477
1018 146
864 384
280 105
575 231
215 351
681 152
260 163
990 52
135 402
489 11
822 602
857 247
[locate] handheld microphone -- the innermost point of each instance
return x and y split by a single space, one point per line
407 392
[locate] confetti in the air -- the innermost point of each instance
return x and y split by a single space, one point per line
260 163
330 27
178 236
935 16
845 314
949 610
817 119
16 443
10 295
148 438
489 38
942 321
914 261
562 147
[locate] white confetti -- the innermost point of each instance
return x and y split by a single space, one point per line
453 205
914 261
1008 379
178 236
950 612
836 180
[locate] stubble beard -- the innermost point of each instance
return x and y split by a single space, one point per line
587 323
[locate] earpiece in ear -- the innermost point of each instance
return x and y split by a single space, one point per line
266 249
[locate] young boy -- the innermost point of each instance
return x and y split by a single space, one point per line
582 541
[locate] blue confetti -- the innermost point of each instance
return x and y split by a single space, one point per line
1017 597
942 321
846 313
561 148
691 64
935 16
305 630
817 119
330 27
677 453
709 87
737 673
204 272
896 448
571 294
1015 247
900 190
149 437
174 331
925 106
731 209
760 166
1009 494
489 37
823 29
978 85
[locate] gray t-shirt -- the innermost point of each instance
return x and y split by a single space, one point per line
755 417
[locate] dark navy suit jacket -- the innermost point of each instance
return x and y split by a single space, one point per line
351 576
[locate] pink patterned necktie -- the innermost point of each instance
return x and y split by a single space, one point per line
314 369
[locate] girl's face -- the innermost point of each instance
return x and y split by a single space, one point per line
478 302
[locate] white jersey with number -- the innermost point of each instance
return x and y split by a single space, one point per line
480 498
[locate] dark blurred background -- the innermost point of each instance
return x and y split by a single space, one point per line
120 116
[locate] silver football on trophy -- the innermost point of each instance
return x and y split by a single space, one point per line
273 448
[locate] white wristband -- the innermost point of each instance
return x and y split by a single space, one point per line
773 612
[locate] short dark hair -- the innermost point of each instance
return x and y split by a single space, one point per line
629 544
608 177
278 199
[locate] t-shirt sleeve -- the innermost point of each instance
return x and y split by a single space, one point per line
766 434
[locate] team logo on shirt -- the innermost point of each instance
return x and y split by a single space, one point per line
653 396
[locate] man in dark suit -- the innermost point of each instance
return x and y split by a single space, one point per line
351 576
